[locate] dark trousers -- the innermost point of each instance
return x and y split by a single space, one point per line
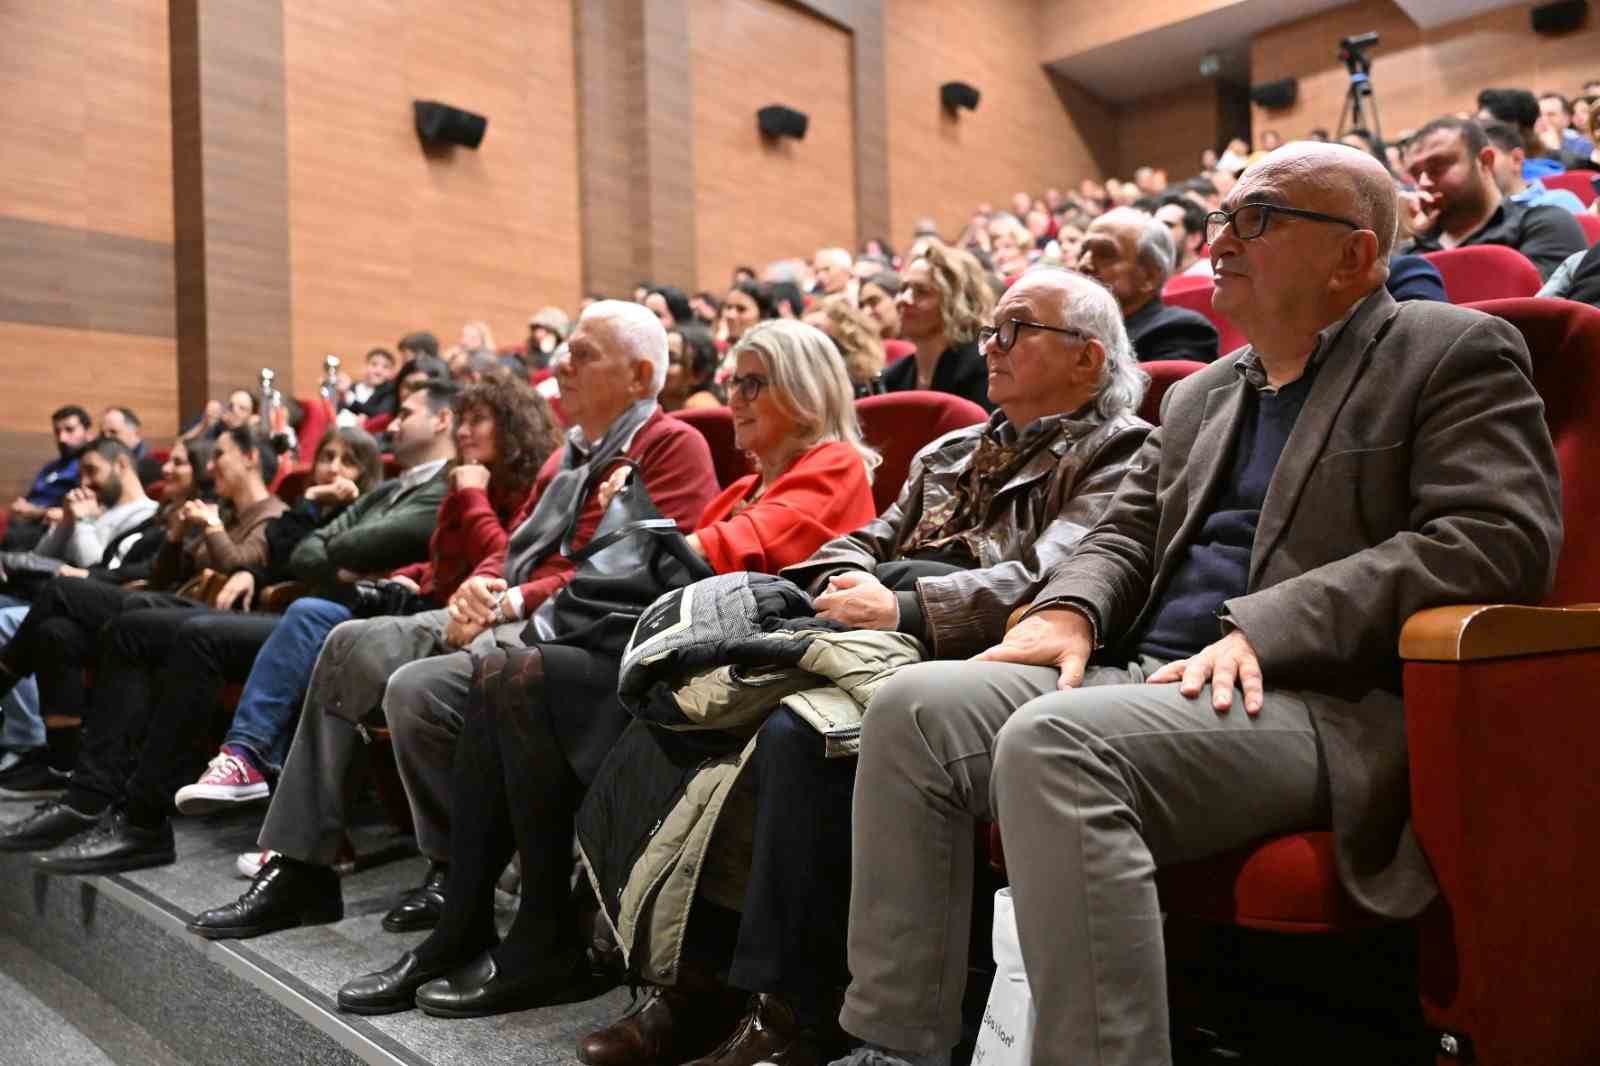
791 939
206 650
58 638
514 789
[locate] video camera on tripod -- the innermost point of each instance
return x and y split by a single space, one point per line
1359 98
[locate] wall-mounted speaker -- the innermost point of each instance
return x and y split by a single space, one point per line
956 95
442 124
1275 95
779 121
1560 17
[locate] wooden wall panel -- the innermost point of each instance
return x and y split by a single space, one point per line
757 201
1419 75
387 238
1021 137
1169 130
86 263
1068 27
87 367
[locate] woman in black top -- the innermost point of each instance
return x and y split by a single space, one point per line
943 303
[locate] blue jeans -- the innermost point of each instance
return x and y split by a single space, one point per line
263 722
23 725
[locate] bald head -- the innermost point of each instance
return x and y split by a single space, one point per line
1342 181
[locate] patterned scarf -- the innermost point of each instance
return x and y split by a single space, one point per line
964 514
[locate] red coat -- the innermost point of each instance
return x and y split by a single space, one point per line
675 463
824 494
473 524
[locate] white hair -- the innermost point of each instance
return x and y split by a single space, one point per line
1155 250
838 257
1089 306
637 329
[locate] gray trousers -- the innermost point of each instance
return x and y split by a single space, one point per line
359 663
1093 789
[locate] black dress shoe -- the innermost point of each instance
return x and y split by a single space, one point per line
387 991
478 988
112 846
421 907
284 894
49 824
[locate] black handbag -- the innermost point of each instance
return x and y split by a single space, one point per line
635 556
386 599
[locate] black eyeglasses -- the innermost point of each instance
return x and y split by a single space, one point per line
748 387
1249 221
1006 334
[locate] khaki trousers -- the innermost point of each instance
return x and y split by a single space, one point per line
1093 789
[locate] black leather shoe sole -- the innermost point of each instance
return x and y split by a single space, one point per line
321 915
106 864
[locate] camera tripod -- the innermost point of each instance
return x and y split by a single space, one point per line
1359 100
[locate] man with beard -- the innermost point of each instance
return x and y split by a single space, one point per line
109 501
70 425
1457 203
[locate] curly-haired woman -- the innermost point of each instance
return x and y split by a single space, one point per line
945 300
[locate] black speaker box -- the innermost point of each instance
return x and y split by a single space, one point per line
1275 94
442 124
1560 17
779 121
958 94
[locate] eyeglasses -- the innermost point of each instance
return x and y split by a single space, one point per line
748 387
1006 334
1249 221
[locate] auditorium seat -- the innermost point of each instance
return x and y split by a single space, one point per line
1500 733
1591 227
716 426
1579 183
1164 373
895 350
900 424
315 418
376 424
1485 272
1198 298
1184 283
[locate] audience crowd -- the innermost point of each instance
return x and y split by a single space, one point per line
1027 635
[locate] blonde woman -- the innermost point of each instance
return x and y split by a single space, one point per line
857 339
946 298
545 716
478 344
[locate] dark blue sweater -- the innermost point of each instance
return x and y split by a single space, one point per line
1217 565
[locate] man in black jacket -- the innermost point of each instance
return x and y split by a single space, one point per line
1131 253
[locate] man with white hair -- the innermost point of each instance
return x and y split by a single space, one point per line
1216 663
984 515
418 668
830 269
1131 253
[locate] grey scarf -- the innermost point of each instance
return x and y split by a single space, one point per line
558 505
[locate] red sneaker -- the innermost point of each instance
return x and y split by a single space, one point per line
229 779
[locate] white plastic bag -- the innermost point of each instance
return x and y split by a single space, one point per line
1006 1036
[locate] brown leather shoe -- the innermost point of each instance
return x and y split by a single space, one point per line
771 1033
666 1025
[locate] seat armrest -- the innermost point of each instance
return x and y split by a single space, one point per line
277 598
1465 632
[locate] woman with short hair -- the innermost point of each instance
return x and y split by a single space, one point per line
945 300
544 717
691 370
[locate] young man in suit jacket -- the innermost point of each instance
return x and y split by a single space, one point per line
1216 663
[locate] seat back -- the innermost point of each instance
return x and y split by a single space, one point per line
1198 298
895 350
1164 373
1485 272
1591 227
1579 183
1184 283
901 424
1564 338
716 426
315 418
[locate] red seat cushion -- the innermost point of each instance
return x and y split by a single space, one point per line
1579 183
716 426
1198 298
1286 885
1485 272
901 424
1164 373
1591 227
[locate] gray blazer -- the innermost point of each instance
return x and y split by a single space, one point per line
1419 473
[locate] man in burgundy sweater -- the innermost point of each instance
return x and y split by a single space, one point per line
419 668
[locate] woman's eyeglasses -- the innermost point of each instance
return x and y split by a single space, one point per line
748 386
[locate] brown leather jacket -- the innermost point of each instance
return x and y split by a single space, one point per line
1033 523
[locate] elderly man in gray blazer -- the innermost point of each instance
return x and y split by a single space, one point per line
1217 662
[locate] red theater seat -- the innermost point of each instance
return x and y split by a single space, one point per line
1185 283
1579 183
315 418
1198 298
716 425
1591 227
900 424
1485 272
1164 373
1500 732
896 350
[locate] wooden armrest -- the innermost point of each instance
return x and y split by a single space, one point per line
137 586
277 598
1016 616
1498 630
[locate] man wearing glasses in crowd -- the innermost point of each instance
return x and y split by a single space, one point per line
1217 661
